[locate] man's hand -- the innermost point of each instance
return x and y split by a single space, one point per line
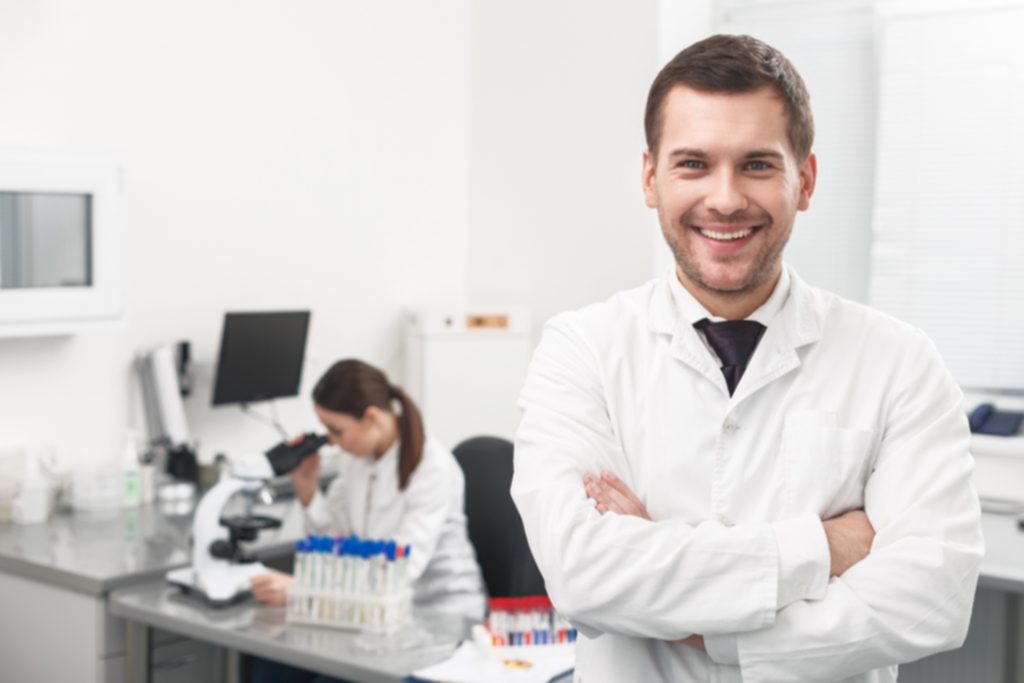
849 539
272 587
694 641
612 495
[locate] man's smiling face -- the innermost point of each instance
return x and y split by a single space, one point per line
727 187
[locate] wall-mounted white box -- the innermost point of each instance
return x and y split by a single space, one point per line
60 243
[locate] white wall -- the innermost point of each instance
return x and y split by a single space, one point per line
353 158
556 213
680 23
832 45
276 155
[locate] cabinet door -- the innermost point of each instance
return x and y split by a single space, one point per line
187 661
37 618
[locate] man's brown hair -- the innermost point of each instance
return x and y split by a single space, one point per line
734 64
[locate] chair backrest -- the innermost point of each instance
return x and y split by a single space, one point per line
495 528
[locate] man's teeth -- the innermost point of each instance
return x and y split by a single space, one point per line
725 236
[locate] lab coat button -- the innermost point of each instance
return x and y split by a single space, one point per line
730 427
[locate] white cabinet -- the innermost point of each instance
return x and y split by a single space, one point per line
55 634
465 369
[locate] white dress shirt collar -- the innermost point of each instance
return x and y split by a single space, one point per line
693 311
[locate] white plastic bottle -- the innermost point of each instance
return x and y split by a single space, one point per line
31 502
130 484
147 482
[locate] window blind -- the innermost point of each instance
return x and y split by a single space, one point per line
948 226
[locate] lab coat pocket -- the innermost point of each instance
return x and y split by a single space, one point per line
825 466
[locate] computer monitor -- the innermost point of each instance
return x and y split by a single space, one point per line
261 356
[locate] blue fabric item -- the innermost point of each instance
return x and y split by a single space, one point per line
1002 423
985 419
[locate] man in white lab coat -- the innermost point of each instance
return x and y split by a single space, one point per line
726 474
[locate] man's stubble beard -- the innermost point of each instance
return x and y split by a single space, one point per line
765 262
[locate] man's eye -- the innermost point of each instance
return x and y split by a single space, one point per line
757 166
691 164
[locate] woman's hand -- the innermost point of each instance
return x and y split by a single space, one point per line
305 477
271 588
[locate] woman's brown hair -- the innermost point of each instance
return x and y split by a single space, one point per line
351 386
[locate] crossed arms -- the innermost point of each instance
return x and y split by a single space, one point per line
849 535
755 603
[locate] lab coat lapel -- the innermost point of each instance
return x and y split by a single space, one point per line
685 346
798 324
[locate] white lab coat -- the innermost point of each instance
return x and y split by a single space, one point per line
841 407
429 515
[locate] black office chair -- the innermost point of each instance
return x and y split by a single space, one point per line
495 528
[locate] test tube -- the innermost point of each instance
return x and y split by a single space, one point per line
313 577
326 545
324 557
293 601
339 569
390 579
496 622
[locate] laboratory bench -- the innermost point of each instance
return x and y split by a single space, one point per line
151 608
1003 566
260 630
56 576
85 600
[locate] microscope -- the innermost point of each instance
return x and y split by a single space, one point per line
221 568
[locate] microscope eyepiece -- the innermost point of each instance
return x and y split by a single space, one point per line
284 458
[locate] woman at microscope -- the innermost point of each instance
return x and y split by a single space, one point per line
394 482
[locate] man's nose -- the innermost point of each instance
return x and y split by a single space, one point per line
725 196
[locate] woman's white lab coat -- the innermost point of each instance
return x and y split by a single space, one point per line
841 407
365 499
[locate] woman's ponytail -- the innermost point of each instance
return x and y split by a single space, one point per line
410 426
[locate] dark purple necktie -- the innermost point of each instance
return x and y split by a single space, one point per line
734 341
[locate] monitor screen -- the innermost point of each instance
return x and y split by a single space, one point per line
261 356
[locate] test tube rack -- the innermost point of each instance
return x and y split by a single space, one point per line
519 626
350 583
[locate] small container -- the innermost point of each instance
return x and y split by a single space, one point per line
96 491
176 498
147 483
7 489
12 465
31 505
130 491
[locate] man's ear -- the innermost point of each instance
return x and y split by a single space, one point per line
808 177
647 179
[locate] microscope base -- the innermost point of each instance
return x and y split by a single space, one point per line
223 587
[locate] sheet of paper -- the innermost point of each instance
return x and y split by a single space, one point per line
470 665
